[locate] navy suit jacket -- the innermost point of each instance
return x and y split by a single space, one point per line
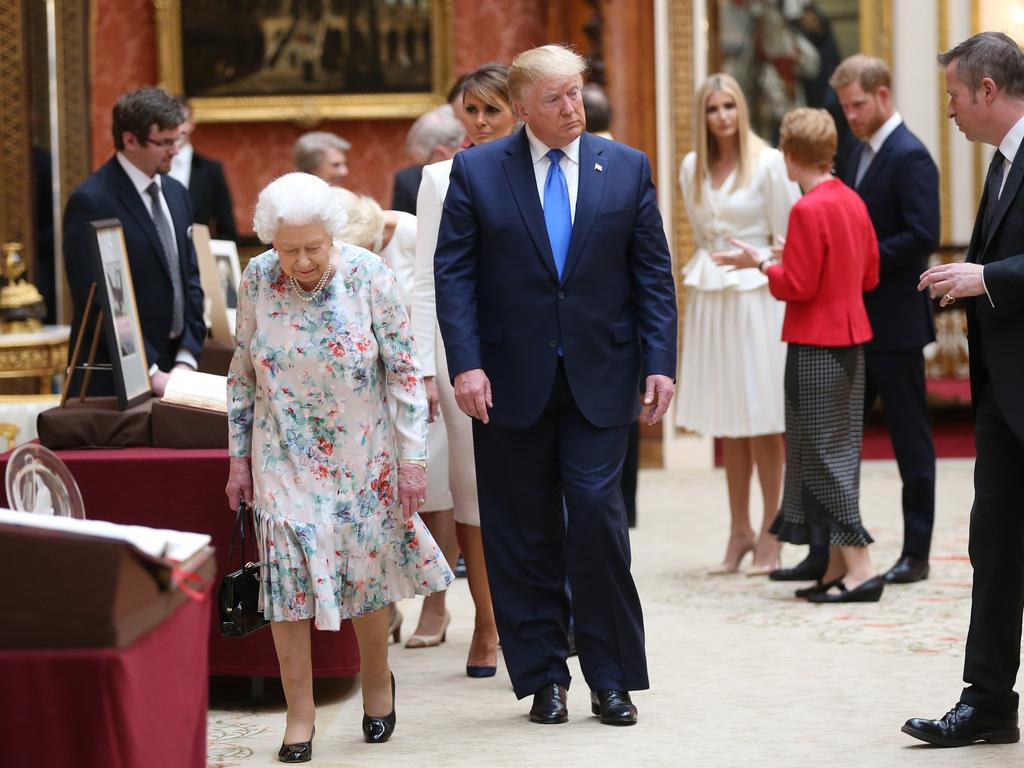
109 194
502 307
995 334
901 191
211 198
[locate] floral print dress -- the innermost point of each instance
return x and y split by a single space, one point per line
307 402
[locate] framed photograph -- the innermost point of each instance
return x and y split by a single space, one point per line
305 60
216 286
120 314
783 52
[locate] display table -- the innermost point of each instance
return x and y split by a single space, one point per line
110 707
38 355
184 490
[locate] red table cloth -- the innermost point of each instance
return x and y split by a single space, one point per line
184 490
144 705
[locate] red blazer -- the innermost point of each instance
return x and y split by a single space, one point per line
830 259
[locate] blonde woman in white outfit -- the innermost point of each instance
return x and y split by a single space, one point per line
487 115
392 236
733 362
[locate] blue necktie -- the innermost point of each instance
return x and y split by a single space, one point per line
556 211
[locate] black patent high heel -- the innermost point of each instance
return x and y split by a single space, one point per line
299 752
377 730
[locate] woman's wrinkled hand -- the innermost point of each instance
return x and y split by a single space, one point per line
412 488
239 487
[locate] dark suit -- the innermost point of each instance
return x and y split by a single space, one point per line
996 339
565 358
407 188
109 193
901 191
211 198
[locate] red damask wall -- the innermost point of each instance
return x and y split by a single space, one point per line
124 57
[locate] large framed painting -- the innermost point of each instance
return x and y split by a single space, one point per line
305 60
783 52
122 327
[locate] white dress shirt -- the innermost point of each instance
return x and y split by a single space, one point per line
141 183
570 165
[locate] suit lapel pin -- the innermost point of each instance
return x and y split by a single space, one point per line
598 167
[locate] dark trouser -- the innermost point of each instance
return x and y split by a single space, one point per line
897 377
630 470
997 555
530 548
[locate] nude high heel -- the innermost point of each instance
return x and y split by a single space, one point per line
429 641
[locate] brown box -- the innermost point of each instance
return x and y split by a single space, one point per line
95 422
86 591
181 426
216 357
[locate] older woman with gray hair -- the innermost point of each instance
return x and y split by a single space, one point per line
322 345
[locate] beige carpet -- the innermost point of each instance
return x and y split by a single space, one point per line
742 673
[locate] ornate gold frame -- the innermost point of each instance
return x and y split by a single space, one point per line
306 109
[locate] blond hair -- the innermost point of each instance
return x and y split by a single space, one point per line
869 72
365 220
548 62
808 136
707 150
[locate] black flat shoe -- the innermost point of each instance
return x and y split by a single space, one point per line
377 730
549 705
614 707
962 726
869 591
907 570
818 588
299 752
806 570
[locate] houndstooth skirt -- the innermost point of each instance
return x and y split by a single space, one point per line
824 427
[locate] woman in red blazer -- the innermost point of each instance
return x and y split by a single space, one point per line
830 259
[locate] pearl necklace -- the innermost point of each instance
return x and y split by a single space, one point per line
320 285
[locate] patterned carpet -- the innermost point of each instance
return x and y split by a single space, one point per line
742 672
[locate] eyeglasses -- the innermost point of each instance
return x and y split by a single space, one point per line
163 143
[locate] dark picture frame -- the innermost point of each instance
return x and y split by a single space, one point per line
305 60
121 325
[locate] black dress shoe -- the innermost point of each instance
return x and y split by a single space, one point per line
807 569
907 570
818 588
869 591
549 706
962 726
299 752
377 730
614 707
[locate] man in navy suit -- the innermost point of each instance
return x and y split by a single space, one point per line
206 183
557 306
896 177
156 216
985 84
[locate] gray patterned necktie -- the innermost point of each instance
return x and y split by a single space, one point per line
163 230
865 162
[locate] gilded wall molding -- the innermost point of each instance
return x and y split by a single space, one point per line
876 28
945 153
15 160
683 86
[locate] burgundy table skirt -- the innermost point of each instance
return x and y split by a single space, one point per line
184 490
144 705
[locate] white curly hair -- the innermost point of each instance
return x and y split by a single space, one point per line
297 199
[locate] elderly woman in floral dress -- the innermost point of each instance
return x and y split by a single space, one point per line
322 343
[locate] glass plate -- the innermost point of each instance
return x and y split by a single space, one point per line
38 481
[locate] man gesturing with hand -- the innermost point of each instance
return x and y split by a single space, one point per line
557 307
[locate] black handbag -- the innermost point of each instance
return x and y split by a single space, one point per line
239 593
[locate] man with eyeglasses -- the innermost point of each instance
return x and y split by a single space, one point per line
156 215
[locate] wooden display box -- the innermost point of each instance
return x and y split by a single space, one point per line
181 426
96 422
84 591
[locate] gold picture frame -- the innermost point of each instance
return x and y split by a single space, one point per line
306 108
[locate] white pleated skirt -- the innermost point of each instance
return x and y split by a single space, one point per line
733 364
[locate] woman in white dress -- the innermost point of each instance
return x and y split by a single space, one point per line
487 115
392 236
733 362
